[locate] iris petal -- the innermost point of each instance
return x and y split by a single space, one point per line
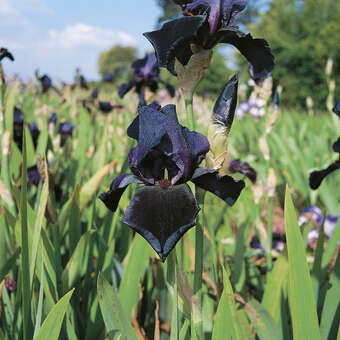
224 187
173 37
124 88
336 146
117 188
257 51
156 215
316 177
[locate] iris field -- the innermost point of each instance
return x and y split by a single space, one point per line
219 235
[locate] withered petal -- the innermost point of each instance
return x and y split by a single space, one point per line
162 216
224 187
112 197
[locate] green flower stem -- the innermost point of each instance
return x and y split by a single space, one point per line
188 99
197 305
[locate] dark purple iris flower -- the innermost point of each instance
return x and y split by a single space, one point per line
107 107
11 285
145 75
207 23
53 118
4 53
18 127
35 133
33 176
316 177
95 94
278 242
336 109
244 168
65 130
166 157
45 81
109 78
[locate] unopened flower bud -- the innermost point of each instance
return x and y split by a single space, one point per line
220 125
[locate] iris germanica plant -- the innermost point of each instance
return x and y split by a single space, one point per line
45 81
65 131
145 75
166 158
206 24
316 177
244 168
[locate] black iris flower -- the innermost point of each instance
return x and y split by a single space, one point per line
65 131
145 75
18 127
316 177
109 78
166 158
33 176
35 133
207 23
244 168
107 107
336 109
4 53
45 81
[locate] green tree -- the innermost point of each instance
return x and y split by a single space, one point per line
116 60
302 36
169 10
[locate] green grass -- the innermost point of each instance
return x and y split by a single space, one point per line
82 274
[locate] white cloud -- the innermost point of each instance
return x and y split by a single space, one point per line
85 35
55 51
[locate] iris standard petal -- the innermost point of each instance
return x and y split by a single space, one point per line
112 197
316 177
336 146
187 148
4 53
257 51
156 214
224 187
173 40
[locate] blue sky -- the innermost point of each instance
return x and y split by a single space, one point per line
58 35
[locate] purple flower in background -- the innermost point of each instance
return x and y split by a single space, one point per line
336 109
166 157
95 94
11 285
278 242
18 127
45 81
109 78
35 133
145 75
66 131
330 225
4 53
313 214
107 107
53 118
206 24
253 106
244 168
33 176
